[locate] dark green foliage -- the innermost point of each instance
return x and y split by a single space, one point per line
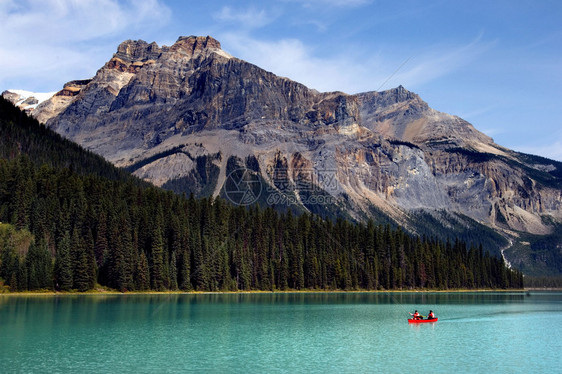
173 272
539 160
544 282
39 264
129 236
157 252
63 265
9 262
142 275
20 134
160 240
14 246
83 276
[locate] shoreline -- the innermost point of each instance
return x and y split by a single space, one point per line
115 293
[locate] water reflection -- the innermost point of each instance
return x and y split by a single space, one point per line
76 310
151 304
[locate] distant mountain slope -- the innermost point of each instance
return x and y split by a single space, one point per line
23 135
26 100
178 116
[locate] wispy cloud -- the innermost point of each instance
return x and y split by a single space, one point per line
250 18
334 3
39 37
59 21
441 60
551 149
293 59
351 69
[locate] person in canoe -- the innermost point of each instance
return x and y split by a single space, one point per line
431 315
416 315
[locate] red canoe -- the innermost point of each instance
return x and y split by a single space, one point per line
422 320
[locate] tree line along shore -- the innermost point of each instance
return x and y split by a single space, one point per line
70 232
71 221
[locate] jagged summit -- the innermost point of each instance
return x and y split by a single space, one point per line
138 50
141 51
197 42
195 46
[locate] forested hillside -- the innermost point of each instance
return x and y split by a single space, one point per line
23 135
70 223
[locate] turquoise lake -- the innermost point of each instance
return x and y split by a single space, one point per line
282 332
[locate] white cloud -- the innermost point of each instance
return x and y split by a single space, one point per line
351 70
293 59
41 39
334 3
552 149
250 18
59 21
439 61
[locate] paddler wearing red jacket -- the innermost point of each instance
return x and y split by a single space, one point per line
416 315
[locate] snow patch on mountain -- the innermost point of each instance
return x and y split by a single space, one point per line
29 100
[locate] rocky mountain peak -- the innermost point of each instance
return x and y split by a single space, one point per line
198 42
378 99
402 94
195 45
138 50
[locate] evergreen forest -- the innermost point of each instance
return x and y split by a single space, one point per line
72 222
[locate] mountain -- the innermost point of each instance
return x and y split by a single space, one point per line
69 220
192 118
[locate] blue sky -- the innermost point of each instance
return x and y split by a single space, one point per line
497 64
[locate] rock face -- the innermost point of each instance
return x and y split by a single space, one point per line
186 116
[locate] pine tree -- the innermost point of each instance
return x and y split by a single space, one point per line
80 264
90 258
157 251
184 272
63 265
173 272
9 259
142 273
39 264
101 246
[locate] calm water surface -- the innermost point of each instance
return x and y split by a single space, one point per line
293 333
